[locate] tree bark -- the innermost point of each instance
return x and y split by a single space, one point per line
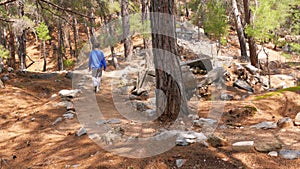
60 64
251 41
126 30
44 55
145 18
91 27
75 34
240 31
12 49
167 67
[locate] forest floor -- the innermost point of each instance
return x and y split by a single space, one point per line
28 139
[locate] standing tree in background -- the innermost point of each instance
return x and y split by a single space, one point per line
240 30
126 30
167 67
215 24
43 34
251 40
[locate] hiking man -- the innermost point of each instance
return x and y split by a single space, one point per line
96 62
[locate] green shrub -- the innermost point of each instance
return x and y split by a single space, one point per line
4 53
68 63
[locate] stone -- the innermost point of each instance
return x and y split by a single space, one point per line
226 97
205 122
54 96
188 137
10 69
213 76
59 119
150 112
69 75
180 141
273 154
265 125
69 93
68 116
290 154
267 147
241 84
114 121
113 135
297 119
5 78
140 106
252 69
285 122
70 106
189 81
216 141
180 162
243 146
81 131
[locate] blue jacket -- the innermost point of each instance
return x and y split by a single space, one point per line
97 60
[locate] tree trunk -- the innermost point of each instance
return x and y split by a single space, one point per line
240 31
126 30
251 41
91 28
22 50
44 55
167 67
12 49
60 64
146 39
145 18
75 34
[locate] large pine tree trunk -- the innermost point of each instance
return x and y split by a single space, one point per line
126 30
60 64
240 31
251 41
12 49
167 67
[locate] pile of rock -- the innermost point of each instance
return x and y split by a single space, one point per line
66 97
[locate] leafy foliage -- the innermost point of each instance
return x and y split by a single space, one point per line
43 31
269 16
4 53
215 23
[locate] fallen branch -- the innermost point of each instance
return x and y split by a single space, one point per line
7 2
65 9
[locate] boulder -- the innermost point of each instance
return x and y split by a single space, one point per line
252 69
285 122
205 122
244 146
81 131
216 141
213 76
226 97
267 146
290 154
69 93
241 84
265 125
